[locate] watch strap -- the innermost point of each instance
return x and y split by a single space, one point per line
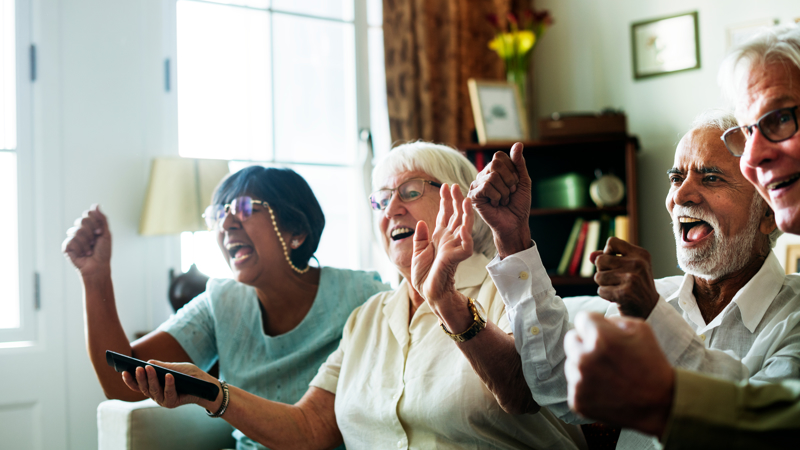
478 324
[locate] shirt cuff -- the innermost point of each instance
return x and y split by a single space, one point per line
519 276
671 330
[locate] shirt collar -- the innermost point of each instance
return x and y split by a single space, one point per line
753 298
757 295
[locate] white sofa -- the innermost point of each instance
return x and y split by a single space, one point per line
146 426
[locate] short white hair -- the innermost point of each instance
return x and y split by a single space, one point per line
444 164
770 45
715 119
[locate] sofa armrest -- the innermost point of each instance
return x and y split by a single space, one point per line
145 425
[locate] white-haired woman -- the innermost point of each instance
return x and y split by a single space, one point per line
408 373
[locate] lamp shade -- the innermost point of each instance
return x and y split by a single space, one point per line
177 193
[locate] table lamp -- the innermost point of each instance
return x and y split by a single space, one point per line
177 193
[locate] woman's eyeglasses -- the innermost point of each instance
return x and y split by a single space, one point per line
776 126
409 191
241 207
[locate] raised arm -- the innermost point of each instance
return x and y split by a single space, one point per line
308 424
491 352
88 247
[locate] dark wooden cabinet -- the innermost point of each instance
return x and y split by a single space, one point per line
550 228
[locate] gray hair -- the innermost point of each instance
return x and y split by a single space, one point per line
771 45
446 165
715 119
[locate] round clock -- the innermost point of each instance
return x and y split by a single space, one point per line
607 190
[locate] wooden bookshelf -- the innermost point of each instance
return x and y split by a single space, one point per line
550 227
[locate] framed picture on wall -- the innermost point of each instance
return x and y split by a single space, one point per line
665 45
792 258
497 108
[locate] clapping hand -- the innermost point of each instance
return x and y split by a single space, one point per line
436 257
146 382
502 196
625 276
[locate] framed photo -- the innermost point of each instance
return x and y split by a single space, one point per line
665 45
499 115
738 34
792 258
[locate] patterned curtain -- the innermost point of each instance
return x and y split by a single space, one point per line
432 47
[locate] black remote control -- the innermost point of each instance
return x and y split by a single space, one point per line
184 384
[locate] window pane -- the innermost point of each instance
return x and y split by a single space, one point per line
9 251
339 192
375 13
8 67
378 107
223 82
315 91
334 9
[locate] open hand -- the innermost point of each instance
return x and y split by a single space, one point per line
436 257
502 196
617 373
625 276
88 243
146 382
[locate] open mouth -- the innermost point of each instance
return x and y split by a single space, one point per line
239 252
693 230
401 233
782 184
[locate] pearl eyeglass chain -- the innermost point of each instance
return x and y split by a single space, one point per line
283 243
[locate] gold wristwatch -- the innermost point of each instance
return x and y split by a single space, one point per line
479 323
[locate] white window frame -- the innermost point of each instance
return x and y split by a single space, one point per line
365 156
26 334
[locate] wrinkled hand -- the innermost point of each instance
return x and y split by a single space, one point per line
88 243
625 276
436 258
617 373
502 196
146 382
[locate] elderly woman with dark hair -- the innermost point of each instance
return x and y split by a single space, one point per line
270 327
428 365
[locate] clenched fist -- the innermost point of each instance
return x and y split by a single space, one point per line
88 243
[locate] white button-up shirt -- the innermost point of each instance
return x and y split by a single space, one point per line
756 336
407 385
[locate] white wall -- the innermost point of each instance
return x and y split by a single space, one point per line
98 118
584 63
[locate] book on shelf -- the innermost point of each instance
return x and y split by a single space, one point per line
590 245
570 248
575 262
621 228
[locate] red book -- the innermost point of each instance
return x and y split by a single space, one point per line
575 264
480 162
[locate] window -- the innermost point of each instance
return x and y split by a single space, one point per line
16 305
291 84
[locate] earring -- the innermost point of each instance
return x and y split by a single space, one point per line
283 243
295 243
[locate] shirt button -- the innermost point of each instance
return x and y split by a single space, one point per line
396 396
702 337
400 443
523 275
534 330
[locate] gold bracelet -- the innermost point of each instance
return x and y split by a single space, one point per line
225 399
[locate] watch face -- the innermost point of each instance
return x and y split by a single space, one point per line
479 309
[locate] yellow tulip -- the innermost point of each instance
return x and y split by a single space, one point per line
504 43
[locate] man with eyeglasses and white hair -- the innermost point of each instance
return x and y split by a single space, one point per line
615 369
726 316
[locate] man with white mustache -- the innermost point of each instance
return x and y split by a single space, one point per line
728 316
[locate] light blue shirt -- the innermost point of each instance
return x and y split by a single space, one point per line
224 323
